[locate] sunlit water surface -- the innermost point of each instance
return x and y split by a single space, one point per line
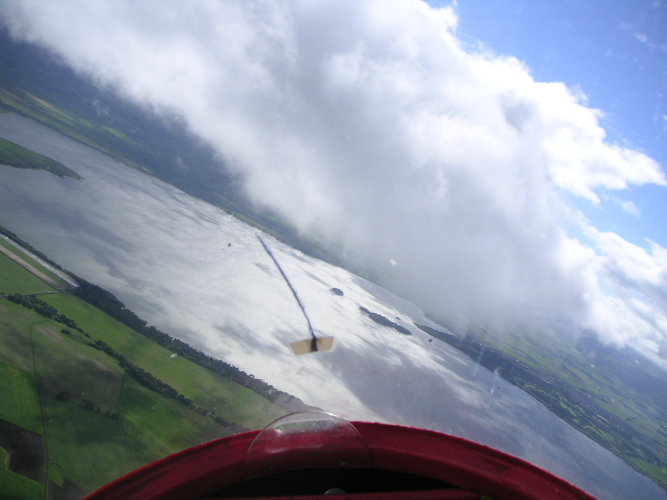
201 275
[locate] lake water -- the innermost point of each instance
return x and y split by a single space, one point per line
201 275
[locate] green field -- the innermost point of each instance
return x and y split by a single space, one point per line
208 390
173 427
14 486
20 400
19 280
14 279
15 324
96 421
67 365
90 448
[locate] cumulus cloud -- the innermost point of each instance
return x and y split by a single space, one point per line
369 127
631 269
635 310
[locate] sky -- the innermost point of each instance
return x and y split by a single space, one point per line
482 163
614 53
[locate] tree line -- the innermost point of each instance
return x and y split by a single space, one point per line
43 309
111 305
144 378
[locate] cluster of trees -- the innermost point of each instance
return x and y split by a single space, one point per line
63 396
110 304
86 405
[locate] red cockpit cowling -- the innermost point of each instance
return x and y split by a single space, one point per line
313 455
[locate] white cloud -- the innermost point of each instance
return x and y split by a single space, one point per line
627 206
632 268
368 124
637 311
630 207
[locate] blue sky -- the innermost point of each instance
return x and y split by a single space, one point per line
616 53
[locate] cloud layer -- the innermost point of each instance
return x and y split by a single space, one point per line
371 128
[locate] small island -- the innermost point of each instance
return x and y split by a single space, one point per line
381 320
15 155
